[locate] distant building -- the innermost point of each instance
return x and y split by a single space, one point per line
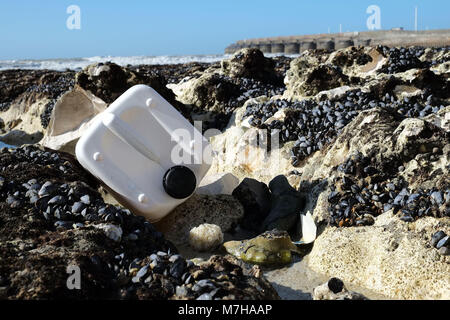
331 41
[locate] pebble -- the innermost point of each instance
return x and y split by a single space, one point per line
177 268
64 224
174 258
203 285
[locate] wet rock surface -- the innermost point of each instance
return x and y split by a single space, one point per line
52 217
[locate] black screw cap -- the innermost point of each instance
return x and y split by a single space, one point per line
179 182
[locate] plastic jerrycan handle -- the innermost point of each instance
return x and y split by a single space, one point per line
128 135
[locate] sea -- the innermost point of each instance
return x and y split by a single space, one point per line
79 63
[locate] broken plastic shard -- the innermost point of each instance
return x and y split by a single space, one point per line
309 229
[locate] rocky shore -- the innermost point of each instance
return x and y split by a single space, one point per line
357 138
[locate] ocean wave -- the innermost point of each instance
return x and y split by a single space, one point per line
80 63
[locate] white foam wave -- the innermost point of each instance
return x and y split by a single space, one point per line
79 63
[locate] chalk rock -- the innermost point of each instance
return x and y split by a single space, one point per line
210 92
205 237
240 152
386 258
222 210
334 289
28 96
221 183
71 117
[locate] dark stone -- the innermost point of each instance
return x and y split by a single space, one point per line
335 285
255 198
286 205
203 285
251 63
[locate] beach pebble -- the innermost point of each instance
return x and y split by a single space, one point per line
205 237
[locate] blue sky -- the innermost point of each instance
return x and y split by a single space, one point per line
37 29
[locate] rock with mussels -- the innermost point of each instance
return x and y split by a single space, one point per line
270 248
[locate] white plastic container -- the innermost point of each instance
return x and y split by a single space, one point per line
134 147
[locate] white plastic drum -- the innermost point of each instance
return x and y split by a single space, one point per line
146 152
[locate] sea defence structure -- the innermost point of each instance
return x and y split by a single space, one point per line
331 41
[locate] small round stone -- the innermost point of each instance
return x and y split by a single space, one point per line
205 237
